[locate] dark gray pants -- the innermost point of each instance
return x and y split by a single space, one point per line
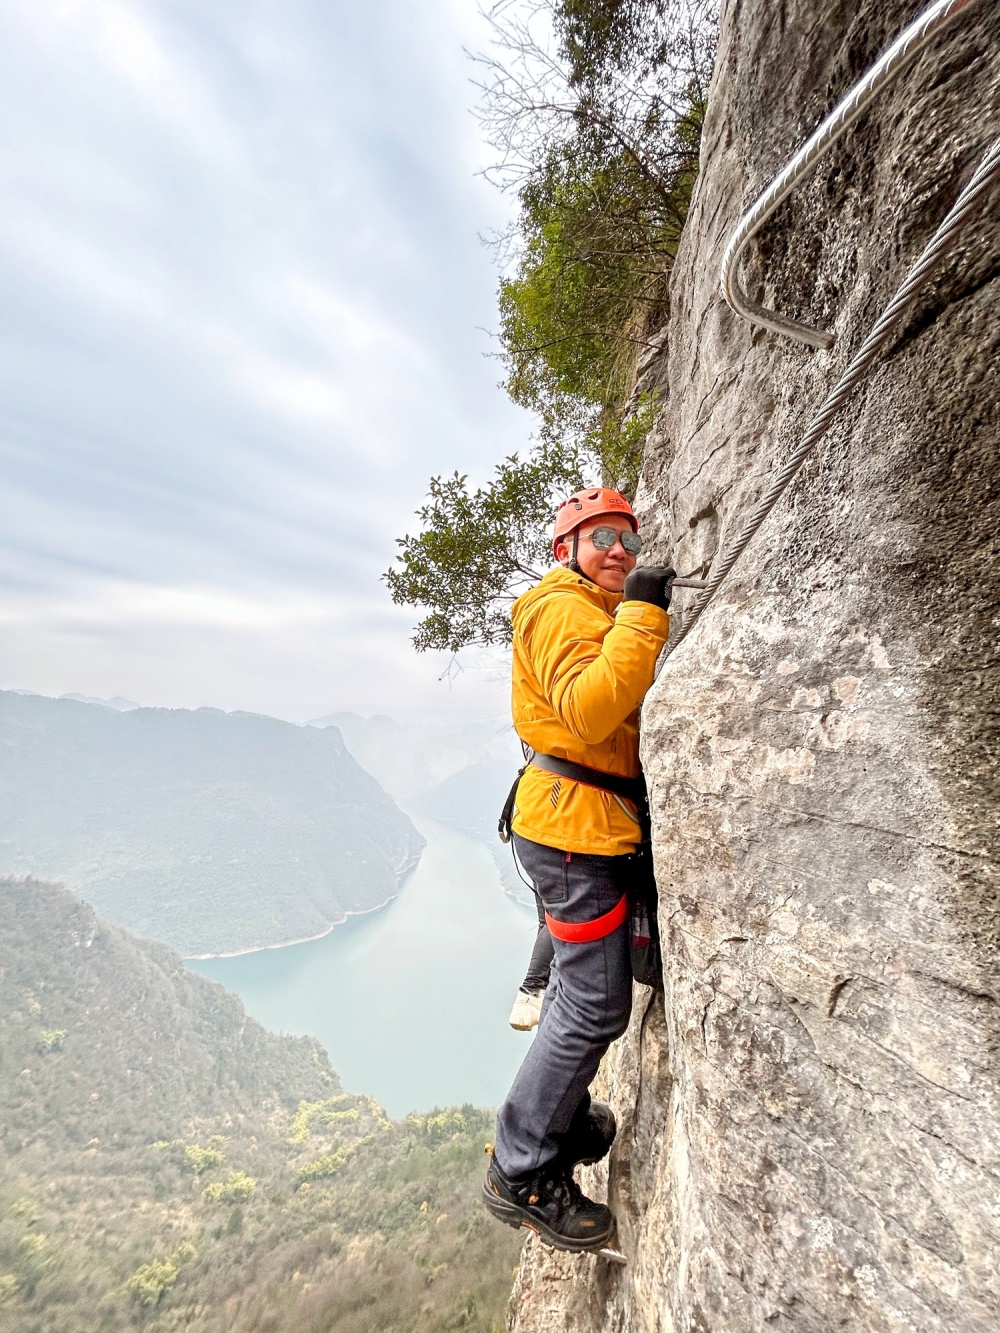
540 967
586 1006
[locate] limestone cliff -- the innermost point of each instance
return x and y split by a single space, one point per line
810 1132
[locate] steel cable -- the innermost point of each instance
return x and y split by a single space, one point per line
890 64
858 368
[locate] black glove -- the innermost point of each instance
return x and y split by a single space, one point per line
650 583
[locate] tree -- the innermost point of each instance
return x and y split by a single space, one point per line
595 110
478 548
236 1187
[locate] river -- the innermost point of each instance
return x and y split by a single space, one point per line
411 1002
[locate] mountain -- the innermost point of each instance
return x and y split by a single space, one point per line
166 1163
117 702
215 832
144 1044
408 758
471 801
458 773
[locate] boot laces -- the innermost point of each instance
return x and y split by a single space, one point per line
562 1189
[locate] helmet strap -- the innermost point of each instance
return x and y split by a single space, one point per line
574 563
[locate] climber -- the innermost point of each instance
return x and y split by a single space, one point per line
586 640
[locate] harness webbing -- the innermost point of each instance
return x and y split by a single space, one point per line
633 789
585 932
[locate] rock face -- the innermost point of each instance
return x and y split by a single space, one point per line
810 1132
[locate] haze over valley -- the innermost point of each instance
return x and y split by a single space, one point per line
160 1149
455 772
214 832
267 847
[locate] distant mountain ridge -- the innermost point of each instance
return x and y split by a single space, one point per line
471 801
119 704
215 832
409 758
457 772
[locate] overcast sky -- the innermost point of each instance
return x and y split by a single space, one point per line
242 295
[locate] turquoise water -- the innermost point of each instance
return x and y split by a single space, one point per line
411 1002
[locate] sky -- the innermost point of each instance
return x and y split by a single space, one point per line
243 319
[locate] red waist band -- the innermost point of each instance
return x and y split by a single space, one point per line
585 932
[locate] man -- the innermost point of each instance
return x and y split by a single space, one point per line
586 640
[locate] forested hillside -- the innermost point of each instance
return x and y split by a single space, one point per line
166 1163
212 831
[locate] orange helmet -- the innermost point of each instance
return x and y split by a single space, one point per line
585 505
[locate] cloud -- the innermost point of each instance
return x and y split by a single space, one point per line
240 288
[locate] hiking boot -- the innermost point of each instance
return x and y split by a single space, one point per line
527 1010
550 1203
590 1138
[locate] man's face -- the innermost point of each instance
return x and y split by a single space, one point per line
608 569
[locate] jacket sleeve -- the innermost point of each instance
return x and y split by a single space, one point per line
595 676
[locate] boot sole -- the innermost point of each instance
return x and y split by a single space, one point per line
519 1218
589 1161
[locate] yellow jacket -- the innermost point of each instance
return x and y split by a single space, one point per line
583 660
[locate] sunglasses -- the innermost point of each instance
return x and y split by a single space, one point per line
604 538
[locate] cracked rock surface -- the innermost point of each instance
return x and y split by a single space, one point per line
810 1124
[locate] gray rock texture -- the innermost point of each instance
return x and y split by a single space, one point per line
810 1132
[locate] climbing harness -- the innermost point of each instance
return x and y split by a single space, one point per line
639 905
586 932
887 323
889 65
632 789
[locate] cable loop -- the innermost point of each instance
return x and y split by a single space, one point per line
857 370
889 65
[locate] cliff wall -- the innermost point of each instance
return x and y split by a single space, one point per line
810 1127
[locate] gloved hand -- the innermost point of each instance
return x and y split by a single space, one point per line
650 583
